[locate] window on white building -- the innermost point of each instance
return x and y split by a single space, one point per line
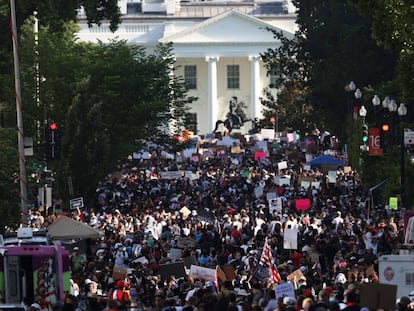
191 122
190 77
233 77
273 81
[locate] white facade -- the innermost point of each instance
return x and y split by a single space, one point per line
219 53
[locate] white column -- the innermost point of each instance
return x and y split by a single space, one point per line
255 86
212 92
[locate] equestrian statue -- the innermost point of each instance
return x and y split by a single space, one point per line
235 117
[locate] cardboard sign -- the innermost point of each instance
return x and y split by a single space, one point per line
202 273
294 276
347 169
221 275
177 269
185 211
119 273
378 296
229 271
235 149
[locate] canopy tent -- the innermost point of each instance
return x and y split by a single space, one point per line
326 160
65 228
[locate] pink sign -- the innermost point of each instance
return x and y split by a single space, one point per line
259 155
303 204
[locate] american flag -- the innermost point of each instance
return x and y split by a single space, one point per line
267 260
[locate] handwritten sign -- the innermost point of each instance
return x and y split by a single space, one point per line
285 290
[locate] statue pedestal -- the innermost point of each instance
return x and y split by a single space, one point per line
236 133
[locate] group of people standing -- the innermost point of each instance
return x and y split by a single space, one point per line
219 215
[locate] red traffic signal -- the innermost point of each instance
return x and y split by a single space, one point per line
53 126
272 120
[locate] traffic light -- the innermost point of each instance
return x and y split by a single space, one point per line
365 133
384 135
52 141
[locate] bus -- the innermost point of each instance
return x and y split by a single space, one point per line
33 269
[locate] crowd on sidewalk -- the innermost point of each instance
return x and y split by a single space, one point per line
226 206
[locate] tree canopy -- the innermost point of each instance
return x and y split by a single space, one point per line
105 98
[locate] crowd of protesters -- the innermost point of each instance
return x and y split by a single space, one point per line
219 209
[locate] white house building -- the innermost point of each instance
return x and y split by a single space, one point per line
217 46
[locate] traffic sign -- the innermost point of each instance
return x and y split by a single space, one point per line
374 145
408 137
76 203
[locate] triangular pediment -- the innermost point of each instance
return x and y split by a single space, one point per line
229 27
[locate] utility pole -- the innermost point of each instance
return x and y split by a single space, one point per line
20 136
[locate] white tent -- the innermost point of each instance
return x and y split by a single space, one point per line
65 228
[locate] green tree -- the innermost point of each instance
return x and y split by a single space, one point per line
289 69
338 45
105 99
128 96
52 14
393 28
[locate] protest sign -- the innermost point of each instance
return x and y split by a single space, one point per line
202 273
290 238
285 290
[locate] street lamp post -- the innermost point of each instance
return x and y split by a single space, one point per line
350 88
392 108
376 102
402 112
